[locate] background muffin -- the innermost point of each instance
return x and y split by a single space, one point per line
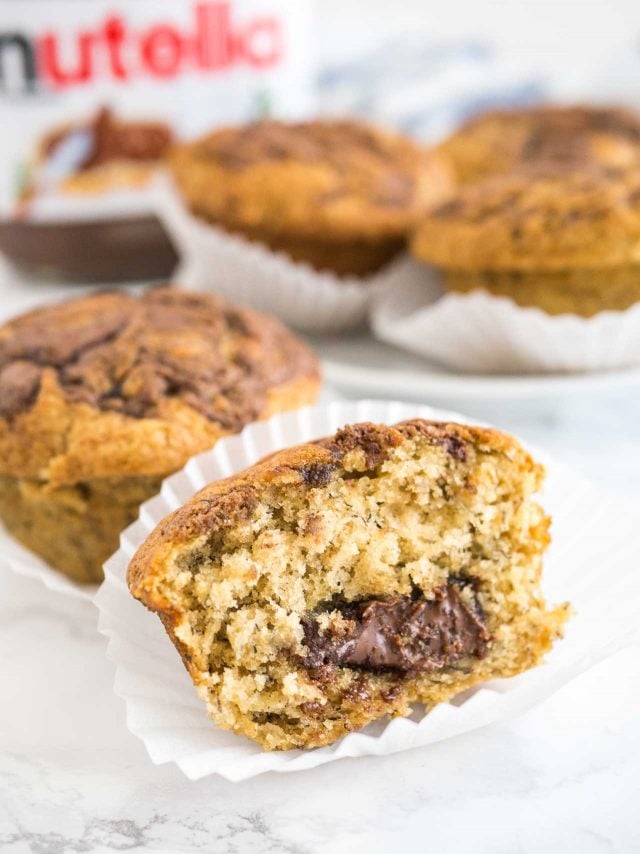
339 195
103 396
509 140
565 241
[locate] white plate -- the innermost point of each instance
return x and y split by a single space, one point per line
362 364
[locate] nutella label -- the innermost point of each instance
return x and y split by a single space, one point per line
118 48
91 91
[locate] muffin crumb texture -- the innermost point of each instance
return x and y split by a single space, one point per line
341 581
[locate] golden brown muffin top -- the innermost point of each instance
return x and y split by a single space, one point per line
504 141
536 220
357 448
112 384
338 179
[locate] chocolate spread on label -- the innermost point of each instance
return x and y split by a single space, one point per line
112 249
401 633
107 139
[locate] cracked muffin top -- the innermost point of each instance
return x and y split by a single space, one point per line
356 448
504 141
112 384
340 180
538 220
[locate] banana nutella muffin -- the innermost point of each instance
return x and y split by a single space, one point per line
338 195
101 397
342 580
563 241
510 140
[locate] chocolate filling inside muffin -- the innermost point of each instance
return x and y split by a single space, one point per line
341 581
402 633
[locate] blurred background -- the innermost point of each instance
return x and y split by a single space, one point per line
427 65
570 38
421 67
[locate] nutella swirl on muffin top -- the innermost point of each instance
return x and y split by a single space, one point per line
132 353
103 396
339 195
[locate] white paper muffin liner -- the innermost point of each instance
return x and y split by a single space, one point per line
593 562
481 333
252 274
23 562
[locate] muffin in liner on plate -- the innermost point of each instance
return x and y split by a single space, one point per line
565 242
536 270
339 195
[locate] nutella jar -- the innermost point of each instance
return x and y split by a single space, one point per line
92 95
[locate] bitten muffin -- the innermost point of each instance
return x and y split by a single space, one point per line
510 140
565 242
340 581
338 195
101 397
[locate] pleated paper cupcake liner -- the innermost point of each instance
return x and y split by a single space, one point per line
23 562
251 273
592 562
481 333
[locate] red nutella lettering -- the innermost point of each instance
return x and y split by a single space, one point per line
213 42
59 72
114 35
161 49
260 44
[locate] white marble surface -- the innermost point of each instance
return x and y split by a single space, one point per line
563 778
